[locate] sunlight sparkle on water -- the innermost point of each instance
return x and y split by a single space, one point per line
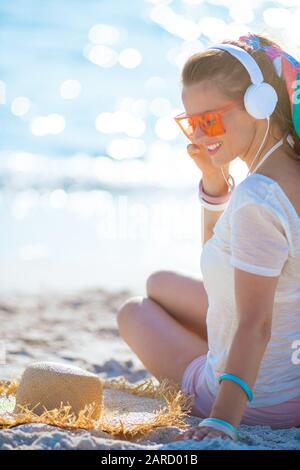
20 105
277 17
58 198
288 3
52 124
193 2
24 201
2 92
159 2
155 85
139 108
120 121
23 161
178 55
34 251
104 34
175 23
126 148
166 128
241 12
130 58
214 28
70 89
160 106
103 56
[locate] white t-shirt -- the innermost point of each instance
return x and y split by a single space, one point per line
259 232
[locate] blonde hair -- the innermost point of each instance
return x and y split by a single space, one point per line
232 79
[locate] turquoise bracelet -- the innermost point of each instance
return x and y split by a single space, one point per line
221 425
240 382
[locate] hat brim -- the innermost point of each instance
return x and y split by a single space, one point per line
129 410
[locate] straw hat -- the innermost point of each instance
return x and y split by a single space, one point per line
47 385
70 397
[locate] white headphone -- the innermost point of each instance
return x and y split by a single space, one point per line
260 98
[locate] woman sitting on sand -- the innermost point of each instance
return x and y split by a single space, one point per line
231 339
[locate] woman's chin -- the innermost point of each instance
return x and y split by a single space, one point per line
217 160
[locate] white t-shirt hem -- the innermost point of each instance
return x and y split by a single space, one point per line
254 269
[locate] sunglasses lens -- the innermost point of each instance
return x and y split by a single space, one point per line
210 123
187 126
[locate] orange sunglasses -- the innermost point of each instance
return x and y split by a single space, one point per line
210 122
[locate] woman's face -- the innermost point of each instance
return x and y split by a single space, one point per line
240 128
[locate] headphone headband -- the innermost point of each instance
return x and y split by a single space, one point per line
246 59
260 98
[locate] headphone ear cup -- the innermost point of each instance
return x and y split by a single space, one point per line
260 100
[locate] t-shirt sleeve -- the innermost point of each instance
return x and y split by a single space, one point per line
258 241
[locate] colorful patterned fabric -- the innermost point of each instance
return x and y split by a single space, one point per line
287 67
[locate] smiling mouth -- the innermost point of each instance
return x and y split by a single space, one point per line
212 148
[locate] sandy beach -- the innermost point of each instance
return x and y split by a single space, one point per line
97 189
80 328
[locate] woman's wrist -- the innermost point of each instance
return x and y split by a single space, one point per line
214 184
230 403
221 425
223 414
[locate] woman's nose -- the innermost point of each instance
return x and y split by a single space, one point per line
198 135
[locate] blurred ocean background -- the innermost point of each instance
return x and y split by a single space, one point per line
96 187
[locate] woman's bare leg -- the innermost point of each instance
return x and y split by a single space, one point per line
164 345
183 296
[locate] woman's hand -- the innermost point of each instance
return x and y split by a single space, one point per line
200 432
203 161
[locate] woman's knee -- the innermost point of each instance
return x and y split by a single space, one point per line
156 282
126 312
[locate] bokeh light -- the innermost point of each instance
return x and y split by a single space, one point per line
58 198
88 95
241 12
104 34
20 106
103 56
130 58
70 89
175 24
155 85
120 121
214 28
52 124
120 149
277 17
2 92
34 252
166 128
160 106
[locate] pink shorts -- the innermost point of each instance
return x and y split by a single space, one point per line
283 415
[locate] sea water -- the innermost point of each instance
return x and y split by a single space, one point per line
96 187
